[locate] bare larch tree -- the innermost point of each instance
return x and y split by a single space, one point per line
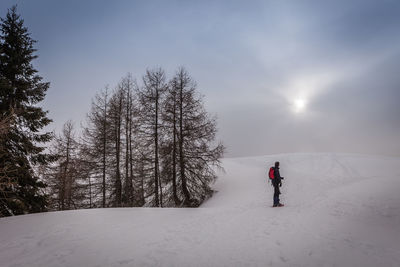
150 98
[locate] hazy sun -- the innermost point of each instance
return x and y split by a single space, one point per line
299 105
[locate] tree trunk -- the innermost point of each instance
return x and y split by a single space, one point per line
157 203
104 151
128 185
142 198
130 159
118 184
67 184
62 190
90 193
181 155
174 189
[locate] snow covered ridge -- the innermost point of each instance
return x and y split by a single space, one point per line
341 210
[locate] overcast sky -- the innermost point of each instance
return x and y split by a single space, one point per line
282 76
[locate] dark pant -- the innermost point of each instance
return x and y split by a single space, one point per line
276 195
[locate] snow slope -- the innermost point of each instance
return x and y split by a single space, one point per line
341 210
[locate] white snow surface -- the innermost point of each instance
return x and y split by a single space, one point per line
340 210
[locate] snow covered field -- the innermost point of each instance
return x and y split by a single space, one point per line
341 210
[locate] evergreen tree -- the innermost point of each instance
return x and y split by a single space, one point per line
21 89
5 180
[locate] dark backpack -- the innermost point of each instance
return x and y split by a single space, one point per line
271 173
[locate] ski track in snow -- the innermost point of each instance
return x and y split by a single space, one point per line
341 210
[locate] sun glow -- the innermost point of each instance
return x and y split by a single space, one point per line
301 90
299 105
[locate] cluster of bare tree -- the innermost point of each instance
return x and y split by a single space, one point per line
147 145
143 145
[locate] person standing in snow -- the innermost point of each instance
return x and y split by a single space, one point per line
277 182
